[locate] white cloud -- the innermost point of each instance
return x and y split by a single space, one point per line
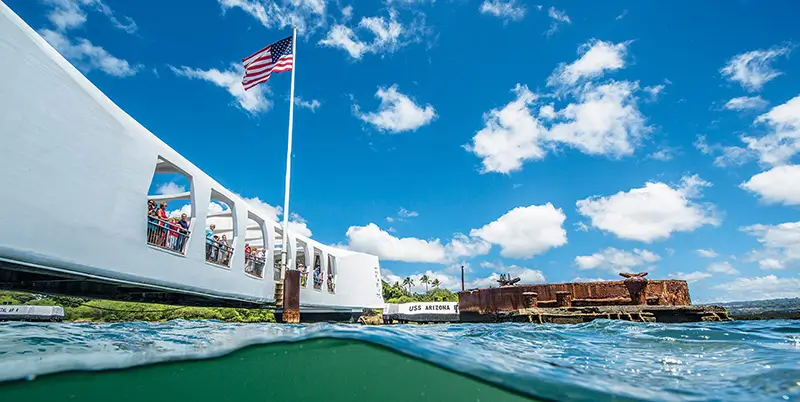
526 275
170 188
397 112
274 213
373 240
559 17
781 244
604 121
70 14
746 103
309 15
404 213
508 10
780 185
463 246
754 69
87 56
253 101
690 277
707 253
652 212
526 231
621 16
771 263
782 141
722 268
778 144
654 91
663 154
616 261
597 58
759 288
512 135
388 35
582 279
311 105
347 13
343 37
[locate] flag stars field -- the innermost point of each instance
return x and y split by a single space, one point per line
553 141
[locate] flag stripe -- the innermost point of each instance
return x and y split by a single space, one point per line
280 67
254 83
244 61
275 58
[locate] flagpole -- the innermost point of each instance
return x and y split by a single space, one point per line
285 238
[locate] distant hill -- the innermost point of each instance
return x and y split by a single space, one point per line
763 309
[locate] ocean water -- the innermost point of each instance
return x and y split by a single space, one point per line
597 361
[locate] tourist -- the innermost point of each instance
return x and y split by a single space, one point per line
161 215
184 232
260 260
210 241
172 234
225 253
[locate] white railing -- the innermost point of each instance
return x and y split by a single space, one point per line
254 265
219 254
166 235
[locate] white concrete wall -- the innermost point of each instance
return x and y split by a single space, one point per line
74 174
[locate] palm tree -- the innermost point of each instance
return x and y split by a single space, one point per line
435 283
425 281
408 282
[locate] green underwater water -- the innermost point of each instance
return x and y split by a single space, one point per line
313 370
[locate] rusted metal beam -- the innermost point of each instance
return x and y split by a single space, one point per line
291 297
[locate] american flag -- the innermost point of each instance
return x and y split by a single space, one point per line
275 58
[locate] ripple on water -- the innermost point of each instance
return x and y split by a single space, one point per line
732 361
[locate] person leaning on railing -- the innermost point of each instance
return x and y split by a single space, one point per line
210 241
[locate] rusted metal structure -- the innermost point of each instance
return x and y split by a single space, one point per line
291 297
635 298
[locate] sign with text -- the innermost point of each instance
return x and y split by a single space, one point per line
422 308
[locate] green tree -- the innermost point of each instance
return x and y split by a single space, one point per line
408 282
392 291
425 280
435 283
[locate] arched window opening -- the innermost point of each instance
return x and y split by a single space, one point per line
331 274
300 261
277 248
316 261
220 230
254 247
317 273
170 209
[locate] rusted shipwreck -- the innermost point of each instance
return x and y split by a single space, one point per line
633 299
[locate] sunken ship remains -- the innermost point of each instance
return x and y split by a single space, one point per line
635 298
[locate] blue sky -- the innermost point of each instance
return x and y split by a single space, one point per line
558 142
